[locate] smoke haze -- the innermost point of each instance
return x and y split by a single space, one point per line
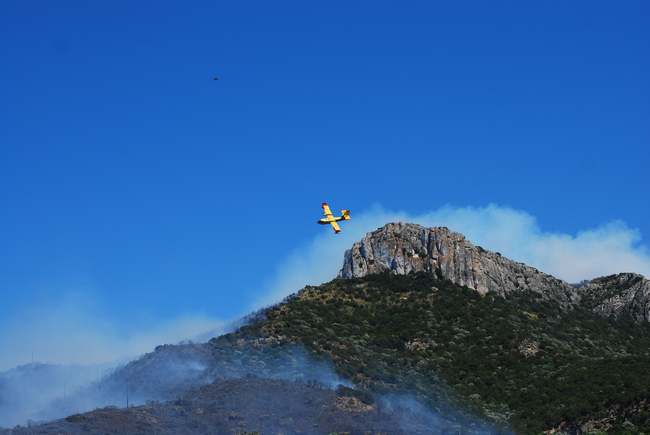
74 330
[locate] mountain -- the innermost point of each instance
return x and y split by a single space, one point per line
403 248
476 343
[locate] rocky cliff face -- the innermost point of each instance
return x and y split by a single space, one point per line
402 248
625 295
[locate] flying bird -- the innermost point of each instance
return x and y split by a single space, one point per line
331 219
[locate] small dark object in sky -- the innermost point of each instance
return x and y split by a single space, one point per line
216 78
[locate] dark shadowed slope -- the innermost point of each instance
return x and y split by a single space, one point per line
264 406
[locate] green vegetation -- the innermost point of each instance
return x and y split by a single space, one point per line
521 361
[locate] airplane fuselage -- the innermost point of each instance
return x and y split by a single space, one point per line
327 220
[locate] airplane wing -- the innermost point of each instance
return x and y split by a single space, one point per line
326 210
335 227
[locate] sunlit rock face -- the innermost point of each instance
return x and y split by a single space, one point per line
402 248
625 295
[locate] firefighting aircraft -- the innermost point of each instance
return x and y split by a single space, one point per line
331 219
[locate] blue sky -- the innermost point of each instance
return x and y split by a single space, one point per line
130 177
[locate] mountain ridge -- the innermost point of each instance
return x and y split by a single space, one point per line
403 248
528 351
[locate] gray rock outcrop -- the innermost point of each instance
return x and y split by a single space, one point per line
402 248
622 295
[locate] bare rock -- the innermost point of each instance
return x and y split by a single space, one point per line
403 248
625 295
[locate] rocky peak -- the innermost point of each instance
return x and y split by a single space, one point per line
620 295
402 248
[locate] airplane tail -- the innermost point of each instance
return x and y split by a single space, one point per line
345 214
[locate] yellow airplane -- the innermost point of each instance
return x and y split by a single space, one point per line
331 219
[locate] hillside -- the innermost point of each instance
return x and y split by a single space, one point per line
252 405
486 344
521 361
